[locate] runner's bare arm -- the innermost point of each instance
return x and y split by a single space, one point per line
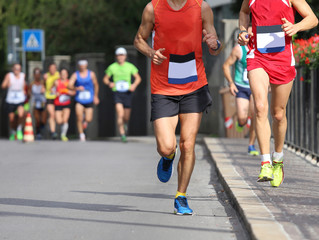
144 31
309 18
244 20
209 32
137 81
107 81
72 81
96 88
6 82
233 57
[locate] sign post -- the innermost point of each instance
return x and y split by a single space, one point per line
32 41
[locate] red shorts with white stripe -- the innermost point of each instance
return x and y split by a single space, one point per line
278 74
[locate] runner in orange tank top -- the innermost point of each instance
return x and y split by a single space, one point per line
178 81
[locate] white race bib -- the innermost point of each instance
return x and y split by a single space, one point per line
122 86
16 96
64 98
270 39
84 95
39 104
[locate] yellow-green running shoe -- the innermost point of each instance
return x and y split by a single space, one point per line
278 171
19 135
64 138
239 128
266 172
12 137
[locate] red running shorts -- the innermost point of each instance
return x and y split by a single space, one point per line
277 74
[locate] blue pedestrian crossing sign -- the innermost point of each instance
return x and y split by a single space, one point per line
32 40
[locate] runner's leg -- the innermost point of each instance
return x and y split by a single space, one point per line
120 112
242 110
252 129
88 114
164 129
79 110
127 115
280 95
190 123
259 82
58 117
51 112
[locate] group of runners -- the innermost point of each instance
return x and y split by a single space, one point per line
49 96
179 87
179 84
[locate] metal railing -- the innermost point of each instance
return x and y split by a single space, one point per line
303 116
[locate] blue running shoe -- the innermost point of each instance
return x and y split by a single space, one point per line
252 151
181 206
165 169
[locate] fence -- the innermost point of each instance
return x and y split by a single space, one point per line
303 116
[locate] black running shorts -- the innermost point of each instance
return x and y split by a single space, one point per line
124 98
169 106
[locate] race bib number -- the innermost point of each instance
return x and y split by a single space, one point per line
182 69
85 95
270 39
16 96
39 104
245 76
64 98
122 86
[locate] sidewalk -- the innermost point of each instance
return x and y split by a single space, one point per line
288 212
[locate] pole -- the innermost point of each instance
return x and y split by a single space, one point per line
43 49
24 62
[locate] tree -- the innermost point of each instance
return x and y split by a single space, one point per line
73 26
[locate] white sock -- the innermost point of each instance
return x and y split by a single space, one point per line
266 158
278 156
12 131
65 128
82 136
19 128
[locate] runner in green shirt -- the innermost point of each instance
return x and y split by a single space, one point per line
121 72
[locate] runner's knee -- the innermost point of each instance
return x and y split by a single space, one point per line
186 146
166 150
261 110
278 115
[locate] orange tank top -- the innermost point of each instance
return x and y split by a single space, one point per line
180 33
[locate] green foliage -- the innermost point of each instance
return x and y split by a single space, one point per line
73 26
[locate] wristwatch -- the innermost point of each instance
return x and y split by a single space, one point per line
218 45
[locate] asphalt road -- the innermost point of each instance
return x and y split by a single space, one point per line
105 190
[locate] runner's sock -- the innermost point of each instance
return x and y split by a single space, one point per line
278 156
265 159
64 129
170 157
19 128
180 194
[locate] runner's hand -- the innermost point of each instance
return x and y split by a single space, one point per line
80 88
210 39
158 57
288 27
111 85
132 88
96 100
243 38
233 89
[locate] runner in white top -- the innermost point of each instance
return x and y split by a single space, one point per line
15 81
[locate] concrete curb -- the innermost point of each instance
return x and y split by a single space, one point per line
259 221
